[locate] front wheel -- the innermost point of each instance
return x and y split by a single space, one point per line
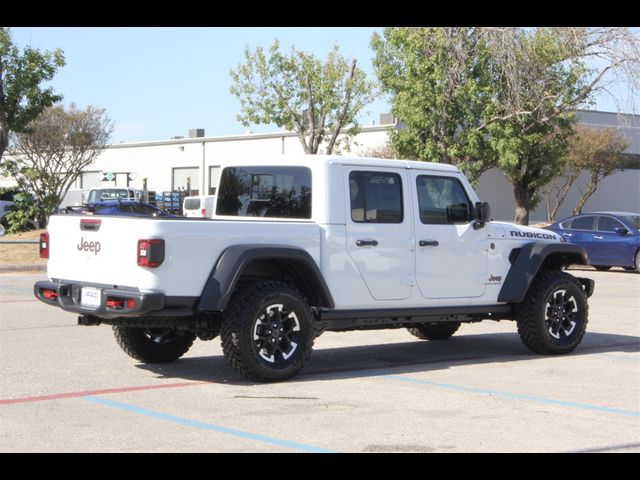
552 319
153 345
267 331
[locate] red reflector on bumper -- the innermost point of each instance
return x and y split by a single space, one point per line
50 294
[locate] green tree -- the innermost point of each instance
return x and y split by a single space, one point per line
317 99
50 156
596 151
540 78
475 97
441 88
22 96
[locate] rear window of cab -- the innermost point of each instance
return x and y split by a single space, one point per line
273 192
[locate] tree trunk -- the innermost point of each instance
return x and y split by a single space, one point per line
523 203
592 186
4 136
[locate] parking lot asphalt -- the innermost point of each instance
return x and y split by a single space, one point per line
66 388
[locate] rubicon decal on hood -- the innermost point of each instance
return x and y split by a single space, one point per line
545 236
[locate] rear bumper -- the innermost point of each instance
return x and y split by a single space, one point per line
122 303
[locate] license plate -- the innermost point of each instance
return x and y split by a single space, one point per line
90 297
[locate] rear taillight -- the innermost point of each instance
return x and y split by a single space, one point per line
44 245
203 212
150 252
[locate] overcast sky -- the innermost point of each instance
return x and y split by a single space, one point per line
159 82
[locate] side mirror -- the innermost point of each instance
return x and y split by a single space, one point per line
482 214
621 231
458 213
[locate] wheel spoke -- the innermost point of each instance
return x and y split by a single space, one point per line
560 314
274 333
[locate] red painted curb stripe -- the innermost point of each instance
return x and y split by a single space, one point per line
57 396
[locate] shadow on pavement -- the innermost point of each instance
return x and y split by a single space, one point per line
395 358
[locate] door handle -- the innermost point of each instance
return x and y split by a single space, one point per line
367 243
598 237
429 243
568 234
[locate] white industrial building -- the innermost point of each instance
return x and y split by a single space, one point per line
193 162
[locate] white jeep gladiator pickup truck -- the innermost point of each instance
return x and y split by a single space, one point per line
305 244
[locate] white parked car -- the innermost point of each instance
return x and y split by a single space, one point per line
305 244
201 206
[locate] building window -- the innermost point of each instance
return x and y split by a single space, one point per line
376 197
214 177
90 179
186 179
280 192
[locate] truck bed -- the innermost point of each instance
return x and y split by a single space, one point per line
102 250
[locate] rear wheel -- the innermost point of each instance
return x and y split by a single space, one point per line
153 345
439 331
267 331
552 319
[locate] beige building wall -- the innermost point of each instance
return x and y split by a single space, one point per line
618 192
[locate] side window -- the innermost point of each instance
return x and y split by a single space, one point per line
126 209
608 224
376 197
277 192
442 200
582 223
141 209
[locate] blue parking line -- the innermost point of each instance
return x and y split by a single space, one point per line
206 426
513 396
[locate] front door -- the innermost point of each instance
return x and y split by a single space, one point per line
379 230
451 257
610 248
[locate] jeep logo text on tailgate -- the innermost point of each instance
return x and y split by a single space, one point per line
88 246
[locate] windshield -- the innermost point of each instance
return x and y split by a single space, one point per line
107 194
632 221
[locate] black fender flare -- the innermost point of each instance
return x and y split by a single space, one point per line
232 262
528 261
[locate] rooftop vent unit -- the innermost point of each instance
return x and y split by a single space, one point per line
196 132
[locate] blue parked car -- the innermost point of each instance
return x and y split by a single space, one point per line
611 239
119 207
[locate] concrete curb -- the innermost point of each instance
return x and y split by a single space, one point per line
23 268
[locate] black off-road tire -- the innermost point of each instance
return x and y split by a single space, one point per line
602 268
153 345
440 331
553 317
252 347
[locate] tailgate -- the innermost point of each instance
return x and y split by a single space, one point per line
96 249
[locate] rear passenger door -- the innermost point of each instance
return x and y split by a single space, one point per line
379 230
